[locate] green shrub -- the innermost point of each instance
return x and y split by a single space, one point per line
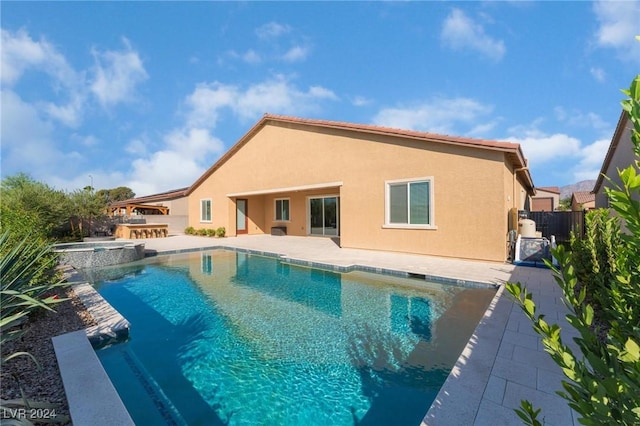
594 259
604 380
29 207
202 232
190 230
211 232
221 232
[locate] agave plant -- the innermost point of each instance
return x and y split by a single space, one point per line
25 268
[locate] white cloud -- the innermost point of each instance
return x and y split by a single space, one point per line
319 92
277 95
436 116
206 101
296 54
117 73
619 24
20 53
70 114
193 142
28 143
188 148
272 30
539 147
460 32
590 160
193 146
576 118
280 96
21 123
272 37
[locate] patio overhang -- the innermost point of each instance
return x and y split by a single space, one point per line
286 189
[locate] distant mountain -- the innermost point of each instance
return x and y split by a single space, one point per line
567 190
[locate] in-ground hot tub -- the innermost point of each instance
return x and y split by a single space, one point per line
97 254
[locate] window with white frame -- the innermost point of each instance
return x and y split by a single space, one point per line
409 203
282 209
205 210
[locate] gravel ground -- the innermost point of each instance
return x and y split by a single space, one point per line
43 384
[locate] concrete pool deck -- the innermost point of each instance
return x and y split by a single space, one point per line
504 361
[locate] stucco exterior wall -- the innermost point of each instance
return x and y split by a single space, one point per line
545 201
621 159
177 206
473 189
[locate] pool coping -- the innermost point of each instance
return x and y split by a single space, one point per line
90 393
337 268
466 382
112 327
91 396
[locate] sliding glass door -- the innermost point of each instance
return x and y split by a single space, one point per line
324 216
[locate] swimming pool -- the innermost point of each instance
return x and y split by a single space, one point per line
222 337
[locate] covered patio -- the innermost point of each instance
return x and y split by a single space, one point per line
309 210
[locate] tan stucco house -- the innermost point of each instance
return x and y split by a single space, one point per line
547 199
373 187
583 200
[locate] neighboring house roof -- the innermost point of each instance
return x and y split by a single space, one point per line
584 197
162 196
617 136
552 189
513 151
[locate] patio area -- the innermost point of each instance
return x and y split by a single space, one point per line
503 362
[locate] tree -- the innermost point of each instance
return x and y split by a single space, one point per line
84 205
601 285
565 204
120 193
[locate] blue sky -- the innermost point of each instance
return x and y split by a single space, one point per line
149 94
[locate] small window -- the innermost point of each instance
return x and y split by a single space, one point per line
282 209
205 210
409 203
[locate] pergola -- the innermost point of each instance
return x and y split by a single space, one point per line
116 209
140 204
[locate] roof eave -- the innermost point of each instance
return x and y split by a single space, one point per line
518 159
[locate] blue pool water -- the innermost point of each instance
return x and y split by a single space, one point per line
222 337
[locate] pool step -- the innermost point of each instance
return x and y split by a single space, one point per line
111 328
